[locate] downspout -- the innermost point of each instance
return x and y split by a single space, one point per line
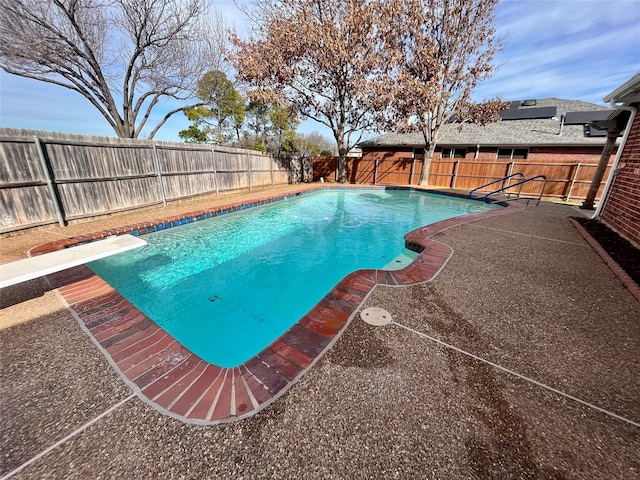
616 161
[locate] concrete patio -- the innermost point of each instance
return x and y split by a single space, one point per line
520 360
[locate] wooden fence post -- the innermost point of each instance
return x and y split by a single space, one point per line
273 182
249 170
573 180
413 167
455 173
156 160
375 171
509 173
215 171
48 173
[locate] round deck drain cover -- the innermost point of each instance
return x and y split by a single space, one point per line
375 316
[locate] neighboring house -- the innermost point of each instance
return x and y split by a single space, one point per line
354 153
620 207
547 136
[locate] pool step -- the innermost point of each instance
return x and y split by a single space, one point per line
401 261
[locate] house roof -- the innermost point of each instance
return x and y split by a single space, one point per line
627 93
514 133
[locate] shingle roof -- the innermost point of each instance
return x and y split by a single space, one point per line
535 132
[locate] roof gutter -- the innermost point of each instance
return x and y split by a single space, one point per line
614 168
628 93
596 142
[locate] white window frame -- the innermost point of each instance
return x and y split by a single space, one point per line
513 150
452 152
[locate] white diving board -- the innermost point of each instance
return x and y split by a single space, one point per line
34 267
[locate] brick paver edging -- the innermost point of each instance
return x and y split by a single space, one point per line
623 276
175 381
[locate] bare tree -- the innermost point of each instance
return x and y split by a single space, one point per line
123 56
312 144
443 50
323 59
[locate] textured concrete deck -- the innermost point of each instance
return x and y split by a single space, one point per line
519 360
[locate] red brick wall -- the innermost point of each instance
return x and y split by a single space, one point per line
565 154
621 211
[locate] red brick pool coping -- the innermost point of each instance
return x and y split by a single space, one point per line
177 382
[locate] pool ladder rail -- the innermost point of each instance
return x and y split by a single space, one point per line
507 185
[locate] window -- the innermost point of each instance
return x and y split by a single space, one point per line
513 153
520 153
418 153
505 153
454 152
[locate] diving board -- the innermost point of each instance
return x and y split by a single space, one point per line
34 267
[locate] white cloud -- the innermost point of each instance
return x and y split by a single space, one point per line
577 50
569 49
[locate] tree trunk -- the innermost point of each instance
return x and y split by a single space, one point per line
343 149
342 165
426 164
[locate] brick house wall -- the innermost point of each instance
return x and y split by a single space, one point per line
589 154
621 212
565 154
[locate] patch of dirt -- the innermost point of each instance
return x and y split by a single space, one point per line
619 249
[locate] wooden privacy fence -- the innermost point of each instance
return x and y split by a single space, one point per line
54 177
565 181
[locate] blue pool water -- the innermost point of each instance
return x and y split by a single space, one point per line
229 286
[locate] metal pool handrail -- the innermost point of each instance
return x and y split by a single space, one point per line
520 183
503 179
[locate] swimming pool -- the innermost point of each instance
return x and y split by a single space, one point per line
227 287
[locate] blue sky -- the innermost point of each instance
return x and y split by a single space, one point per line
572 49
